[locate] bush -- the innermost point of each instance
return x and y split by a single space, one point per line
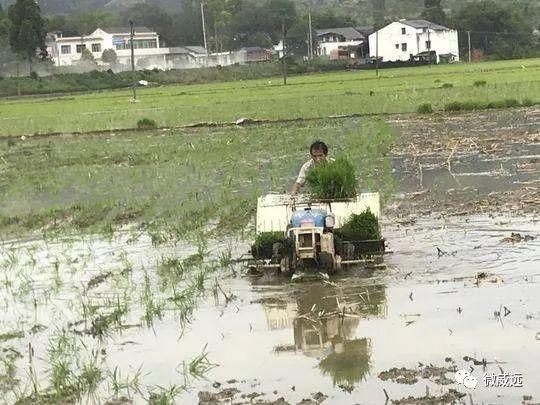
364 226
479 83
146 123
332 180
34 75
464 106
511 102
447 86
425 108
262 248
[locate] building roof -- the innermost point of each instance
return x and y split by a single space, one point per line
125 30
424 24
365 31
348 32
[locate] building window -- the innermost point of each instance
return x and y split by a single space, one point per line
404 47
80 47
424 29
403 31
428 45
65 49
96 47
397 46
137 44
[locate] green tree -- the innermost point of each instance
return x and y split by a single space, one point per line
434 12
497 29
329 19
152 16
86 56
109 56
221 13
27 30
379 13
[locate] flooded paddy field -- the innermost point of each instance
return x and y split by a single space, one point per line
124 317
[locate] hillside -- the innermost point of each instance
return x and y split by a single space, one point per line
361 10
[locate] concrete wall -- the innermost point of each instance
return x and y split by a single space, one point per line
326 48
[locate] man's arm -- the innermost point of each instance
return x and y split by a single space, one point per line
301 178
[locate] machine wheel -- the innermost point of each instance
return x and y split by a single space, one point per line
326 261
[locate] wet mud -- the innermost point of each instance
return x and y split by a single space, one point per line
459 291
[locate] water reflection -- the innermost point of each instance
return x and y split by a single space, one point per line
325 320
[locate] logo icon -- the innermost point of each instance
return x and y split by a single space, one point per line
467 379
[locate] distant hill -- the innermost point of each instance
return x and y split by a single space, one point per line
361 10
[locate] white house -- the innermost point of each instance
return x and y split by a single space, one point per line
335 41
404 39
65 51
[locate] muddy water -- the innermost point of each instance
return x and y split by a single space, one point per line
442 298
454 292
427 307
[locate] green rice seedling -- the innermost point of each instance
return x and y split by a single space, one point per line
146 123
360 227
11 335
102 324
199 365
193 260
32 374
61 351
425 108
8 371
262 248
166 396
152 309
170 271
333 180
479 83
131 384
225 258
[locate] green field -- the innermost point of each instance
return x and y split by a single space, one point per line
308 96
175 182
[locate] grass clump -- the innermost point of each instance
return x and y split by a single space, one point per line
332 180
146 123
364 226
527 102
463 106
447 86
425 108
479 83
262 248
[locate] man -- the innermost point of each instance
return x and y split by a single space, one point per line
318 151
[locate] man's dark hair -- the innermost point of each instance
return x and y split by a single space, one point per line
318 145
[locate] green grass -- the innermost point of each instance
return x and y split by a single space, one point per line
172 183
306 96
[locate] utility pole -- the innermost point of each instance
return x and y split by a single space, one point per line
131 36
469 40
310 36
429 43
203 27
377 53
284 47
